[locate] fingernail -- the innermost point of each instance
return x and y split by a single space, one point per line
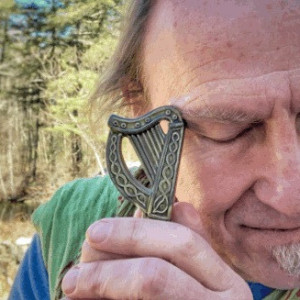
99 231
70 280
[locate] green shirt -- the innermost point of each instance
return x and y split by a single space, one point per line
63 221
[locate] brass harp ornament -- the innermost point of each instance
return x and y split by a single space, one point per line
158 153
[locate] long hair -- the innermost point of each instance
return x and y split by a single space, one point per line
124 68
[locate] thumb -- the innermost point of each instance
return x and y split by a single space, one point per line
185 214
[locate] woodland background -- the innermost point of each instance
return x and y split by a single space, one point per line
51 55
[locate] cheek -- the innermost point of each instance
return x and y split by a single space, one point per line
213 177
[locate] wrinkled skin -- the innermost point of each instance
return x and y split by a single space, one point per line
233 68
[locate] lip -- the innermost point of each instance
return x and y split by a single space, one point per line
270 235
257 237
271 229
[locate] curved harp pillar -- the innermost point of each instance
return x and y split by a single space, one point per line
159 155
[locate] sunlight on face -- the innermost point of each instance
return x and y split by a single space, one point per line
233 69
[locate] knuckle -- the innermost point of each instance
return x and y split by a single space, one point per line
155 277
135 232
95 280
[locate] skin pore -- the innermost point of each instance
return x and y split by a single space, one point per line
233 68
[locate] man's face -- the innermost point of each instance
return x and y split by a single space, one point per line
233 68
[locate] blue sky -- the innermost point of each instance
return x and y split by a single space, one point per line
36 4
20 20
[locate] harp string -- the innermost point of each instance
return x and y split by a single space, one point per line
154 147
140 149
158 140
149 146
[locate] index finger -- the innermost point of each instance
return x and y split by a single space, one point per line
173 242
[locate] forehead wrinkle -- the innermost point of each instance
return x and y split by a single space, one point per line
211 104
163 90
188 85
190 81
239 84
179 81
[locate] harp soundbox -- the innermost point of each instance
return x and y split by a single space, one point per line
159 154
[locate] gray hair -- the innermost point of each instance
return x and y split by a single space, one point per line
288 258
124 68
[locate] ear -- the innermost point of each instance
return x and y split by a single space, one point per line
133 94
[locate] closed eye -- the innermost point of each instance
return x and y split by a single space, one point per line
240 135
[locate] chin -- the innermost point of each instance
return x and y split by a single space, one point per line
284 269
278 268
272 272
281 280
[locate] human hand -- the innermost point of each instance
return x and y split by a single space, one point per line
134 258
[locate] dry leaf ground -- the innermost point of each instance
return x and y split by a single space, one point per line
10 253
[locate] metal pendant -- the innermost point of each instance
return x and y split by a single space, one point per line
159 154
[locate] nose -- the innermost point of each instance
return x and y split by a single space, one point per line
278 176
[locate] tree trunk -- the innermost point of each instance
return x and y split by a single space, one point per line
10 160
91 144
35 144
76 150
3 188
52 152
4 42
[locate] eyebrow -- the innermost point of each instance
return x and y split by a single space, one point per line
221 115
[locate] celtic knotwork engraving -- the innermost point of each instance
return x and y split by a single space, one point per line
158 153
122 181
165 185
161 204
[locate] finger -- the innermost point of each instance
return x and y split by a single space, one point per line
168 240
183 213
89 254
137 278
